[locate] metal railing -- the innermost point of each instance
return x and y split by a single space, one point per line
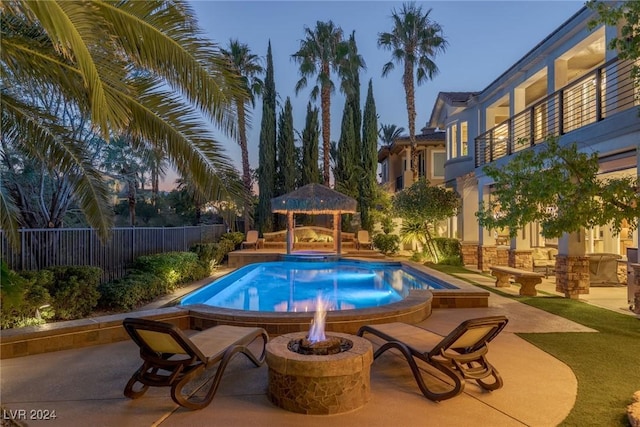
593 97
42 248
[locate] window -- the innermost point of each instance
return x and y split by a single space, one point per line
384 176
421 171
438 159
453 141
464 139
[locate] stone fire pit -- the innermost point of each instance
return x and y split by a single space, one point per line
319 384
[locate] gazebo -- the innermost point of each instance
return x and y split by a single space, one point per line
314 199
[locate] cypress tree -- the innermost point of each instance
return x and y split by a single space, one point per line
347 162
286 150
353 94
310 143
267 149
369 159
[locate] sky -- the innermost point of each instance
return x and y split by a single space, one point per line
484 39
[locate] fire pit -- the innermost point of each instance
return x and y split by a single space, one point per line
319 384
318 374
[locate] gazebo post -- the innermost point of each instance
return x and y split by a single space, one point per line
337 232
290 232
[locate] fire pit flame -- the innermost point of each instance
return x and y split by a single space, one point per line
316 333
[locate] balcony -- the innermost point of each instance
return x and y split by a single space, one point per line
603 92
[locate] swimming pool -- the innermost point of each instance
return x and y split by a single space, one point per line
293 286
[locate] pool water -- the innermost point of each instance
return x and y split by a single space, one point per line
294 286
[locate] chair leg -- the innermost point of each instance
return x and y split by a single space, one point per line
192 402
478 370
458 381
130 391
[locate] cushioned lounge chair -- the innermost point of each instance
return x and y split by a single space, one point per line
252 239
363 240
461 355
171 359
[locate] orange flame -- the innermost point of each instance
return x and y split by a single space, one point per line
316 333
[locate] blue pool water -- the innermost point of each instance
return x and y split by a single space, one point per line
293 286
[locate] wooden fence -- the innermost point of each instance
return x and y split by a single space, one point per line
42 248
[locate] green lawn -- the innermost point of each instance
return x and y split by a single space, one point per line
607 364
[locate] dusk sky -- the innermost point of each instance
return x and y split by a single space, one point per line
485 38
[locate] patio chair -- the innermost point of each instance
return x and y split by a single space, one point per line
460 356
171 359
252 239
363 240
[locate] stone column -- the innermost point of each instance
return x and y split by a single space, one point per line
487 256
469 252
572 266
521 258
635 298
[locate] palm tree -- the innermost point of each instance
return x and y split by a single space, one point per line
136 68
414 41
389 133
320 53
247 66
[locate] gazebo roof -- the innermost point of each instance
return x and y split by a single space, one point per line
314 199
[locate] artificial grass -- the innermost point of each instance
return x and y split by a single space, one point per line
606 364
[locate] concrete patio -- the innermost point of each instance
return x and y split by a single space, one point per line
84 386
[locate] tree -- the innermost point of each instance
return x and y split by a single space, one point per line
320 53
310 138
425 205
124 161
267 149
389 133
41 194
347 164
350 68
247 66
286 150
414 41
141 68
369 160
558 187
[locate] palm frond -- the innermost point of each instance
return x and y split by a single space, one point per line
46 142
163 37
166 121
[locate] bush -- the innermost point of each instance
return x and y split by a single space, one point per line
22 296
74 291
174 268
224 247
154 276
386 243
134 289
449 250
236 237
206 253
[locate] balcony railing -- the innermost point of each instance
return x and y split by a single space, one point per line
603 92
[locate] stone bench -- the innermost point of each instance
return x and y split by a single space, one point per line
527 279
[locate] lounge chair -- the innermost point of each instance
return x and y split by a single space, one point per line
252 239
363 240
171 359
461 355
